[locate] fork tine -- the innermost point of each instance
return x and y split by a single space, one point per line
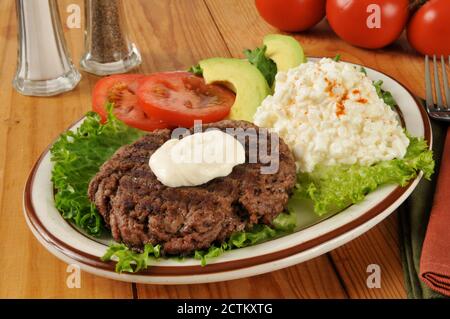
437 84
428 84
446 87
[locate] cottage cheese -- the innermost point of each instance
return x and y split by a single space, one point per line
329 113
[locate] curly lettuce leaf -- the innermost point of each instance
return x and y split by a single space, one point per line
77 157
129 260
213 252
385 95
285 223
337 58
336 187
196 69
363 70
265 65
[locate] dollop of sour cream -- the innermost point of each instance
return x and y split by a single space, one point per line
196 159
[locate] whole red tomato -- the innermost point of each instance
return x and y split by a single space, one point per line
370 24
429 29
292 15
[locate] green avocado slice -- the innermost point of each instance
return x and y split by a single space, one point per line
285 51
243 78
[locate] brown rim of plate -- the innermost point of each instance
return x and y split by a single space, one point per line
155 270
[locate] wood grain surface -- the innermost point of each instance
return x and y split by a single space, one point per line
174 34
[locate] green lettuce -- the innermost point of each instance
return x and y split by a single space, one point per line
336 187
77 157
285 223
387 96
265 65
131 261
196 69
337 58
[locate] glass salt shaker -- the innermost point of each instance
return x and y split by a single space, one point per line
44 66
108 50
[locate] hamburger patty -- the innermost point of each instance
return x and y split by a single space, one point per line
139 209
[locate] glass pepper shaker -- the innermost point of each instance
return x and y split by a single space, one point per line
44 66
108 49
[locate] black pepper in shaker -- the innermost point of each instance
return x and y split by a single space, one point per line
108 49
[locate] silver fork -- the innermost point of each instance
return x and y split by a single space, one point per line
440 110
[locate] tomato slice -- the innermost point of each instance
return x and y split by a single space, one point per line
121 90
180 98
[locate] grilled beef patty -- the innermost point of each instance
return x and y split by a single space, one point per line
139 209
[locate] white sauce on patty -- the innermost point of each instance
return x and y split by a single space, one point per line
196 159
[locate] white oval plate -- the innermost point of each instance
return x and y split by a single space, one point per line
315 236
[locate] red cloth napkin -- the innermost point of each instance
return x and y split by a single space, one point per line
435 258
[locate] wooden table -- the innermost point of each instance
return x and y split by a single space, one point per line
174 34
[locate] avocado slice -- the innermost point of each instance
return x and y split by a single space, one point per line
243 78
284 50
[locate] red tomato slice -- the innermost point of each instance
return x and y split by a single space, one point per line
180 98
121 90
